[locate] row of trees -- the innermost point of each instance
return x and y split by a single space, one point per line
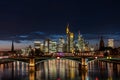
111 51
36 52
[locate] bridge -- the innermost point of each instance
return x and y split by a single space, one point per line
82 58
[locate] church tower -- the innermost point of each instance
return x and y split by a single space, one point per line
101 45
12 47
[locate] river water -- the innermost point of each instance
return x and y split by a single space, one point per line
59 70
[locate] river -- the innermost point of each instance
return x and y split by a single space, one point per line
59 69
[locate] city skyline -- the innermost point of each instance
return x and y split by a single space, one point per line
60 39
26 43
26 21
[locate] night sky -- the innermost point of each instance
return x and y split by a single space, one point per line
27 20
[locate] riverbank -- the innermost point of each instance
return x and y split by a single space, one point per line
2 62
116 61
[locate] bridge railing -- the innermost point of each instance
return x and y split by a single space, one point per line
84 54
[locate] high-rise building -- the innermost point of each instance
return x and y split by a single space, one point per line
42 47
111 43
61 45
37 44
50 46
46 45
101 45
80 43
70 40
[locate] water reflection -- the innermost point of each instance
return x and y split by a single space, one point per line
13 71
104 71
59 70
31 73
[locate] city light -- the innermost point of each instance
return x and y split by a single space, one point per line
58 57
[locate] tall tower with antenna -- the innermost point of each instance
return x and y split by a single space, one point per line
69 40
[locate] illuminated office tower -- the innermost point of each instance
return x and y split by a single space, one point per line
37 49
61 45
42 47
69 40
80 43
52 47
37 44
46 46
111 43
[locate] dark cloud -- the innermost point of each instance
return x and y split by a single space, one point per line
38 32
17 41
42 35
23 36
57 36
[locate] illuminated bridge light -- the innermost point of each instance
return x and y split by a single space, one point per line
58 57
32 63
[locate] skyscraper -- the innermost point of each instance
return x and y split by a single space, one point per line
37 44
46 45
111 43
61 45
50 46
80 43
70 39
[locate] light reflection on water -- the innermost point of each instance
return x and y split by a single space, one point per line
59 70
